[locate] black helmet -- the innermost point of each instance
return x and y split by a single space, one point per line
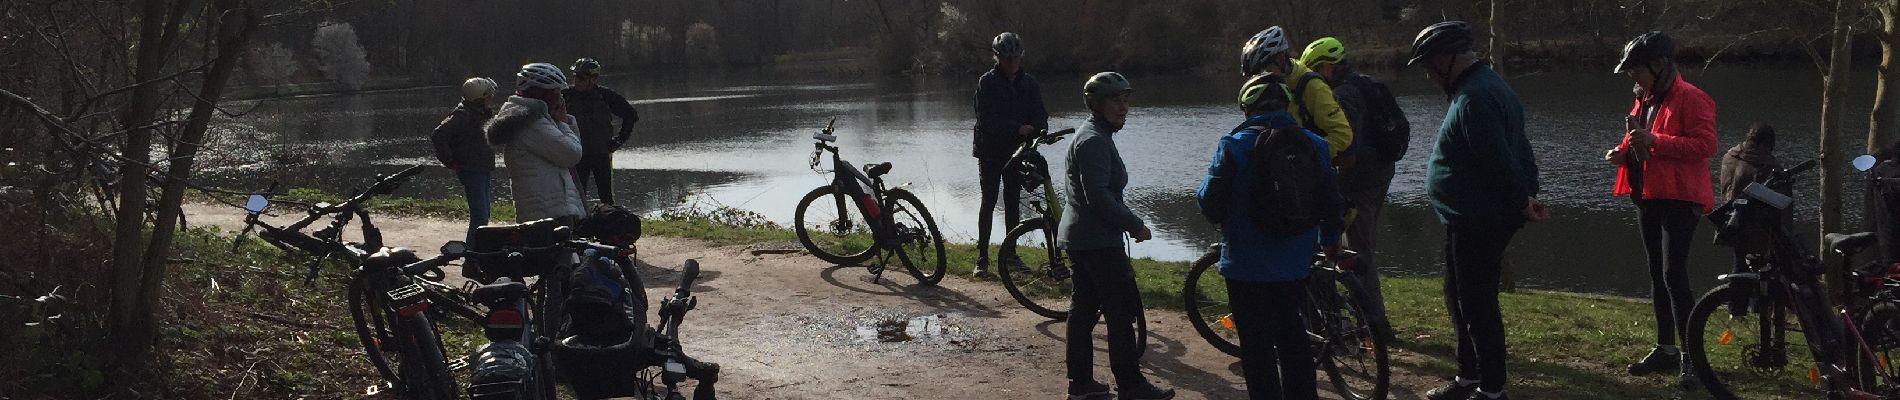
1646 48
1441 38
586 66
1007 44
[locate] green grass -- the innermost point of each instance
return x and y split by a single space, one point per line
1565 346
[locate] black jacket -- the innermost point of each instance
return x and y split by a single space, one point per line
1003 107
459 142
594 111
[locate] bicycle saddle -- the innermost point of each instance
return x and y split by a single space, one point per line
492 292
1849 243
876 170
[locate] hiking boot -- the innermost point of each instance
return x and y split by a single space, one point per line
1145 391
1452 391
1085 390
1657 361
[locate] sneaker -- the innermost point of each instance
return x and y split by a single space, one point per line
1452 391
1084 390
1688 380
1146 391
982 268
1657 361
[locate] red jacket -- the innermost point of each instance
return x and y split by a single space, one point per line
1678 165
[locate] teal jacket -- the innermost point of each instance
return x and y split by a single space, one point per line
1482 169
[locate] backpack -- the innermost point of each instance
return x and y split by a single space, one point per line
1299 101
1388 133
1284 173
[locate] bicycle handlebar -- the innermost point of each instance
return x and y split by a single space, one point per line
688 274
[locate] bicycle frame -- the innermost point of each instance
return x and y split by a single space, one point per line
866 192
1028 162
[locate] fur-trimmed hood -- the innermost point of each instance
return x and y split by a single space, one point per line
516 114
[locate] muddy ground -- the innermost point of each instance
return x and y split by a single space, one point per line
790 326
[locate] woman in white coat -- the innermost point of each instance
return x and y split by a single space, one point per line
539 145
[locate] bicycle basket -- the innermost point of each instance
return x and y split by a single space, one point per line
497 238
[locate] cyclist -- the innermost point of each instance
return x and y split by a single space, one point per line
539 145
1266 275
459 145
1092 232
1663 165
1313 103
1008 108
1381 136
594 108
1748 162
1482 182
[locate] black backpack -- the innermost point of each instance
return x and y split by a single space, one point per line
1388 133
1285 173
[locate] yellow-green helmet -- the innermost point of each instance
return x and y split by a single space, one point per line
1326 50
1266 92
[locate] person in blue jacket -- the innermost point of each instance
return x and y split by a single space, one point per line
1266 275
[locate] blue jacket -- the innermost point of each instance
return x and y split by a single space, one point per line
1247 254
1482 170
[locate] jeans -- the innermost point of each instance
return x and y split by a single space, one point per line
1276 357
601 168
478 188
1474 258
1361 237
1668 228
1104 284
993 176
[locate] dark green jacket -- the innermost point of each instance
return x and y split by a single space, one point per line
1482 170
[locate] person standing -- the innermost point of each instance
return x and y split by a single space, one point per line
594 108
1265 263
1482 182
539 145
1313 102
1092 232
1008 108
1381 136
1663 166
461 147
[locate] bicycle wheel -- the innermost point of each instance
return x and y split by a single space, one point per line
920 246
427 370
1351 352
1032 271
372 329
1732 353
837 237
1207 309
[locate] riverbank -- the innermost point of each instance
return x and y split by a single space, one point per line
1563 345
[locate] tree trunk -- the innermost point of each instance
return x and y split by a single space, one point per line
234 29
1495 48
1834 98
1883 126
128 232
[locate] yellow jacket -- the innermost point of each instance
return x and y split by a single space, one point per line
1318 101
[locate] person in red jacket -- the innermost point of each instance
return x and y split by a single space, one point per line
1663 165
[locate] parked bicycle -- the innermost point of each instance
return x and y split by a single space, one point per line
856 218
1345 344
524 319
1738 331
385 302
1034 266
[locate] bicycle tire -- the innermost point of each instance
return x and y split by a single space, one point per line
1695 342
1202 309
370 331
845 251
926 250
1364 337
547 323
428 359
1035 276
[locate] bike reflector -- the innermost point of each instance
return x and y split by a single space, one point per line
504 319
413 309
1227 321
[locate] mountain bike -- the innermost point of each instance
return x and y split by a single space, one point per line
1851 346
1345 343
833 220
378 295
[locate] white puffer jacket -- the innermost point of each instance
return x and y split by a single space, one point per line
538 152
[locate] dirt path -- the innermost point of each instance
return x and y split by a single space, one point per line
788 327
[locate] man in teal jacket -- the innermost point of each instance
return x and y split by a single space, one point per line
1482 182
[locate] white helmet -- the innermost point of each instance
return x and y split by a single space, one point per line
541 75
477 88
1260 49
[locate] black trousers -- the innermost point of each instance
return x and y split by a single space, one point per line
1105 285
601 168
1474 258
991 180
1276 357
1668 228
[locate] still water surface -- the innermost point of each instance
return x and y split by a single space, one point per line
743 140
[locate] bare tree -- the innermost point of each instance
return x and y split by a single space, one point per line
1833 114
340 56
